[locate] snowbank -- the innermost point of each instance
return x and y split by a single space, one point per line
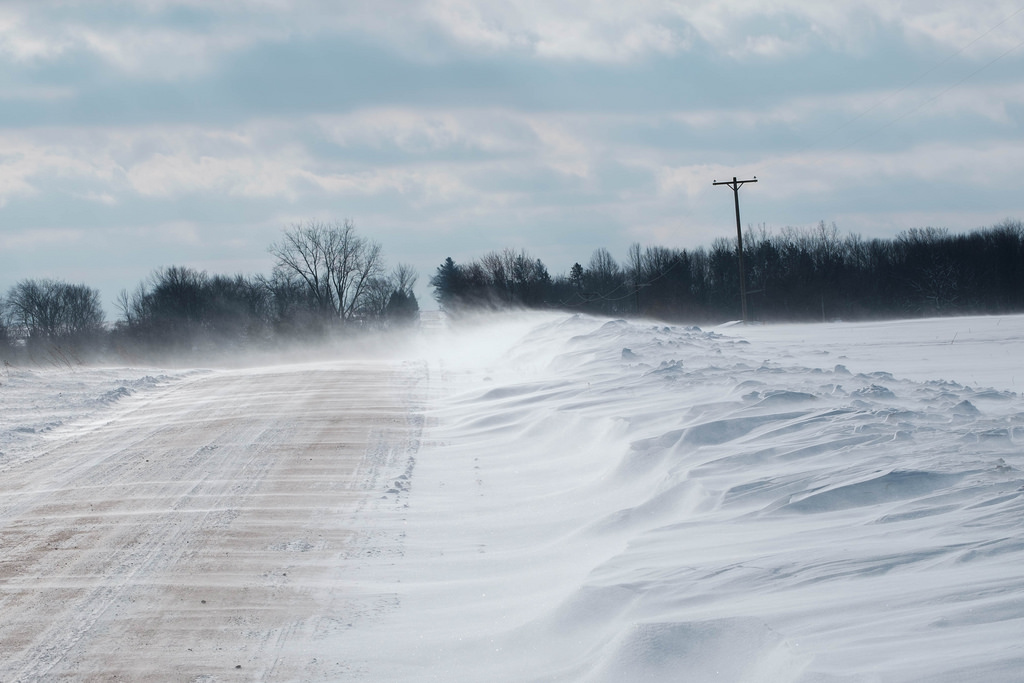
599 500
613 501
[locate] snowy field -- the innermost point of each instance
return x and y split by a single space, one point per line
528 498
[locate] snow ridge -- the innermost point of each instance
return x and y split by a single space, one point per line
34 402
614 501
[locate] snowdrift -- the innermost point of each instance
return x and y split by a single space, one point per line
601 500
621 501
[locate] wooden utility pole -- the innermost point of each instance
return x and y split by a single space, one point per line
735 185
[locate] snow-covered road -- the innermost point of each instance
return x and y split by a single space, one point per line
201 529
534 497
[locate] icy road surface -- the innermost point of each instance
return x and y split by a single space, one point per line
529 498
199 531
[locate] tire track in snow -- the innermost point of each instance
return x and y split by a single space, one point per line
197 531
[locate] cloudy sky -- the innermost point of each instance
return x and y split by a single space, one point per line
136 134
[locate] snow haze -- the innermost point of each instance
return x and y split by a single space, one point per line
535 497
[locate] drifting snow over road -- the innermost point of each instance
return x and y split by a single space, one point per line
199 529
592 500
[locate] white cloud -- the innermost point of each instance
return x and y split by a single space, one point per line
419 131
130 36
769 46
992 27
19 42
39 237
254 164
821 119
161 53
187 172
610 30
438 156
553 141
24 162
421 186
125 36
968 164
572 29
98 197
691 181
261 160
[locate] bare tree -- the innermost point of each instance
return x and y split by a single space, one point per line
514 277
497 269
306 252
404 277
375 300
361 262
5 336
31 310
53 310
132 306
634 270
82 312
603 274
390 299
333 262
292 306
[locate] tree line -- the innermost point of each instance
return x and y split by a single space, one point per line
792 275
326 278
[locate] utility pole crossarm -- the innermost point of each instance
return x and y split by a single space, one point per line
736 185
